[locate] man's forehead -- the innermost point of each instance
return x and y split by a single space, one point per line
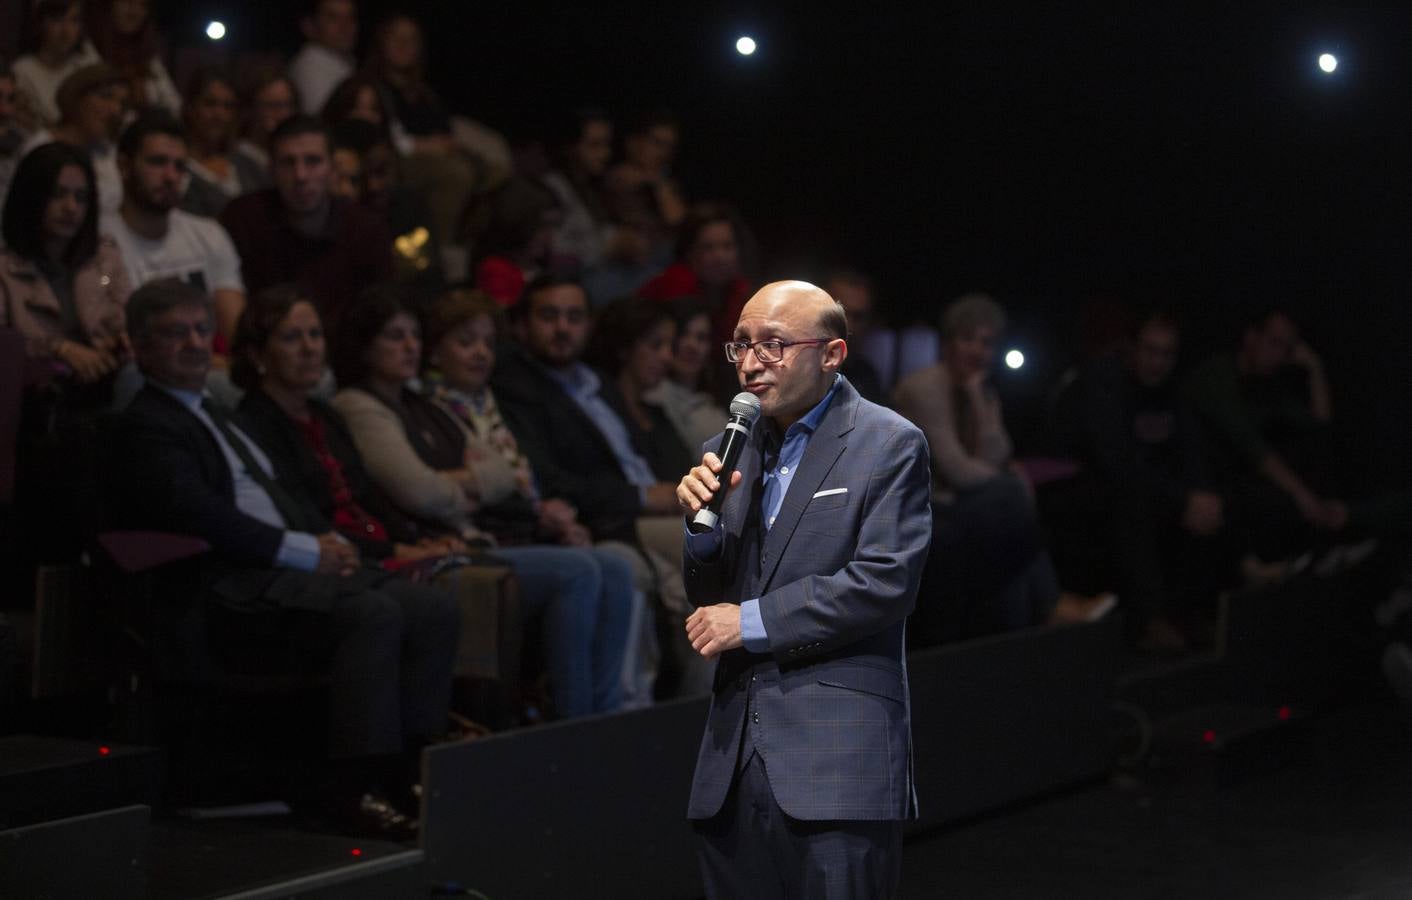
302 145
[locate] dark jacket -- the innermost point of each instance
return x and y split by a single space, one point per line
299 469
569 455
165 472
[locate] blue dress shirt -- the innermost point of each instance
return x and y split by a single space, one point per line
778 473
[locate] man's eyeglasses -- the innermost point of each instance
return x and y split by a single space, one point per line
765 351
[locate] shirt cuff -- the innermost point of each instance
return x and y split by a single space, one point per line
752 628
298 550
703 547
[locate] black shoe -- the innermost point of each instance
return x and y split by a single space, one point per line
374 816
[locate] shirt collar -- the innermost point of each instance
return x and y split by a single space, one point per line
578 378
812 418
190 399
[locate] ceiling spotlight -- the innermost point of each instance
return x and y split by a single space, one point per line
1328 62
1014 359
216 30
745 45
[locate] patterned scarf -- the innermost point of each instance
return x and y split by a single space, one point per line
482 416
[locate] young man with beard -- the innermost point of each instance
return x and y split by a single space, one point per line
157 239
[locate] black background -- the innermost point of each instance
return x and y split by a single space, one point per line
1055 155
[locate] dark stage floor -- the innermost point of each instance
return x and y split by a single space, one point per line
1336 824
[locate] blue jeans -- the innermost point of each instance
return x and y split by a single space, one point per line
583 598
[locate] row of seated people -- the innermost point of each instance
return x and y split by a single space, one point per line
1178 487
446 188
345 517
71 312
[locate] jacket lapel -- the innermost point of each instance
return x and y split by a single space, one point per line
825 447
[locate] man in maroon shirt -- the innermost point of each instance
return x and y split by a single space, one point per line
297 231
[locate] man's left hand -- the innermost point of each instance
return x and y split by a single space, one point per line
713 630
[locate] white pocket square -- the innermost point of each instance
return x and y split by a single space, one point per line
830 492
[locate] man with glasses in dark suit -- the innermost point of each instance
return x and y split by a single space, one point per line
802 591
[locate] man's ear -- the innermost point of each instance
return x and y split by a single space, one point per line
835 352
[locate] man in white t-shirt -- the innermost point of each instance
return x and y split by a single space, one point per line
157 239
331 33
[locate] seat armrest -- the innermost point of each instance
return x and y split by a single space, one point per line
140 551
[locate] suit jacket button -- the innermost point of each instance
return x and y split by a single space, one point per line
755 717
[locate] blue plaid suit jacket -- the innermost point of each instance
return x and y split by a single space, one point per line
827 708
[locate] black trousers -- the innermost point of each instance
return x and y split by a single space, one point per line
752 850
387 646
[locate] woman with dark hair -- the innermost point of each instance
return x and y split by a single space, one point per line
61 285
278 359
435 470
218 174
687 395
126 37
55 48
357 97
632 346
269 97
586 235
710 251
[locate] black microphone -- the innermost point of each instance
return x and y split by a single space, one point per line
745 409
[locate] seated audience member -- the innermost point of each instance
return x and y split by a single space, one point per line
708 266
297 232
267 100
640 192
1265 411
356 97
415 251
92 102
582 451
62 285
126 38
330 37
515 248
439 472
854 292
579 447
585 236
1142 457
988 533
182 464
632 346
160 241
217 174
55 48
63 288
689 394
12 134
446 159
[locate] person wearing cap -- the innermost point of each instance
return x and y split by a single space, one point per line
92 102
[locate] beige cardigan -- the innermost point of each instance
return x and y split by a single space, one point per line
416 488
28 304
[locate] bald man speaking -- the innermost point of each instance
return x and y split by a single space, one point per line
801 594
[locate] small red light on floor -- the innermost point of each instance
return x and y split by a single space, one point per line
1284 713
356 851
1209 737
104 751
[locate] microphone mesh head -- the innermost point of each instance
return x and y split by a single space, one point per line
746 405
